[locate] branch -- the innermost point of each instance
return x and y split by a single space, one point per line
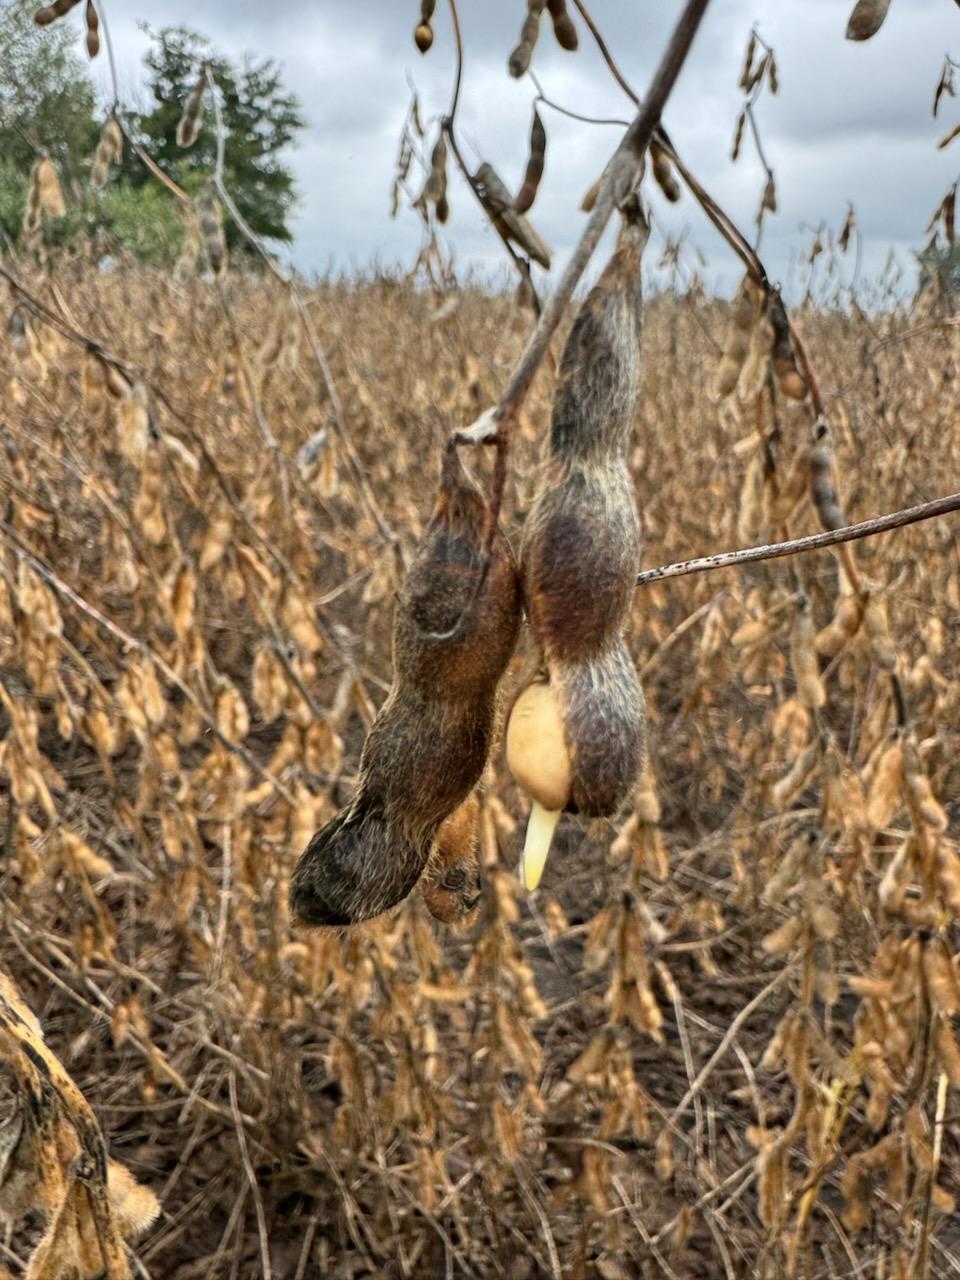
619 177
565 111
813 542
604 51
522 265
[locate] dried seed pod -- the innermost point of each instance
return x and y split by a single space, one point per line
211 229
581 545
18 331
884 797
93 29
451 884
423 35
772 77
435 190
768 201
49 13
738 136
563 27
744 314
803 657
842 627
927 805
109 152
590 198
45 198
821 479
133 425
878 629
790 381
797 778
428 744
519 60
663 173
188 125
534 171
512 226
866 19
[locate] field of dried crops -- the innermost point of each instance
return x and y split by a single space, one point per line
716 1043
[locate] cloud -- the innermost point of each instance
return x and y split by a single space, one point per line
851 122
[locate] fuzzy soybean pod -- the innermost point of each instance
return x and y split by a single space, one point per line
423 35
576 740
519 60
189 123
93 29
563 28
429 742
867 19
534 171
450 887
50 12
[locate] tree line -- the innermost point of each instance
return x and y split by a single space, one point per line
49 105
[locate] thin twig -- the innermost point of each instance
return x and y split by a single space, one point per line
565 111
731 1034
266 1269
812 542
604 51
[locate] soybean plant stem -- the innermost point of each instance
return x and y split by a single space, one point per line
813 542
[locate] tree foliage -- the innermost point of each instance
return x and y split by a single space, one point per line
47 103
260 120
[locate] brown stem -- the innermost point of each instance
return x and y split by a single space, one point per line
813 542
604 51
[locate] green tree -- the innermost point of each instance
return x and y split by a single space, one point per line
260 120
47 103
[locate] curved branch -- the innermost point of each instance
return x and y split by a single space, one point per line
458 37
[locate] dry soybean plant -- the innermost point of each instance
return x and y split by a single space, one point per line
720 1038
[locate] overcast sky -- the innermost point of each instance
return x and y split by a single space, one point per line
852 122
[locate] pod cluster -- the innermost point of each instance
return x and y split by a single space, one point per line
575 736
455 627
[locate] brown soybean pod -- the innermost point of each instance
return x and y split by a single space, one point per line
423 35
519 61
435 190
93 30
534 171
790 381
867 19
563 28
821 481
428 745
49 13
450 887
744 314
663 173
189 123
803 657
581 545
211 228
